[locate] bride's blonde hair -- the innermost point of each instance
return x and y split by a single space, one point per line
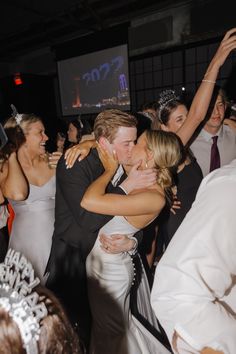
168 150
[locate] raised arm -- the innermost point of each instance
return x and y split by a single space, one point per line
231 123
79 151
97 200
12 180
203 95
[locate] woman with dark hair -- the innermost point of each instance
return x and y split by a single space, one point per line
172 114
57 334
79 130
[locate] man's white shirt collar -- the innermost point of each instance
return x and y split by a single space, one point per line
117 176
208 137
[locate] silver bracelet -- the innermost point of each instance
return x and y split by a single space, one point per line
210 81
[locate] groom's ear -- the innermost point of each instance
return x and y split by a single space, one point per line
104 142
165 128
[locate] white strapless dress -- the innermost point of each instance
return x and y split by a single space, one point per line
33 225
115 330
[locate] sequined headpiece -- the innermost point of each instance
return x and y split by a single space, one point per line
164 98
80 122
17 280
18 117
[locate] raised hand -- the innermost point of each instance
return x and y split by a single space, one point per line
227 44
231 123
78 151
54 158
175 206
109 161
139 179
202 98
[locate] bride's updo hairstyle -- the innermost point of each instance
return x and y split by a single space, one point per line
168 153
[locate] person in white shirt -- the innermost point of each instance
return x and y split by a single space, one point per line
194 291
214 126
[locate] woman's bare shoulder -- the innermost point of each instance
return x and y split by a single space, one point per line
3 170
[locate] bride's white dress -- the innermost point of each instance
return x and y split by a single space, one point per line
115 330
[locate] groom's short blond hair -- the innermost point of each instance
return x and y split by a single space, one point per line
108 122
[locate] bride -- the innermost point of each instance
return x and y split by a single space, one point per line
110 276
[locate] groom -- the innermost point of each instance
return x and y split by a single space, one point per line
76 229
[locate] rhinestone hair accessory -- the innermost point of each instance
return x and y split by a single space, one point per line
17 280
18 117
165 97
80 123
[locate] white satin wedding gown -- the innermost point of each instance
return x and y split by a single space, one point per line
115 330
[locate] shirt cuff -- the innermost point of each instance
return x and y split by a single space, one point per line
133 250
123 189
187 338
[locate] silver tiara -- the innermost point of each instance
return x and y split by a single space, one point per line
80 123
17 280
165 97
18 117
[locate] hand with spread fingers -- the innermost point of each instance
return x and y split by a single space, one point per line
227 44
175 206
78 151
116 243
139 178
109 161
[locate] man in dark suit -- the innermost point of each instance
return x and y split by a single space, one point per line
76 229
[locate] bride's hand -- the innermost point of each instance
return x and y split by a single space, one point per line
227 44
78 151
109 161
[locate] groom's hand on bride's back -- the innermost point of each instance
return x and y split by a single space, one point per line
139 179
117 243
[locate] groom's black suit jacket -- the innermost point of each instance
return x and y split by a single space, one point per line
73 224
75 233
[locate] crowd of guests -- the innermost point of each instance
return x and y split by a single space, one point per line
91 219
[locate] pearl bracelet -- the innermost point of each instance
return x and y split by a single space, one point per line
210 81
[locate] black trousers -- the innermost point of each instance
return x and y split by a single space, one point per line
67 280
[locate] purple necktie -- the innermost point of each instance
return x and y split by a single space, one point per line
215 155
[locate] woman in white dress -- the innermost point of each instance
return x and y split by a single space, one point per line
33 223
110 276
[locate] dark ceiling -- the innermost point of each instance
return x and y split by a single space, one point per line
26 25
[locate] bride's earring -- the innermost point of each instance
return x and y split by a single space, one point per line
146 164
